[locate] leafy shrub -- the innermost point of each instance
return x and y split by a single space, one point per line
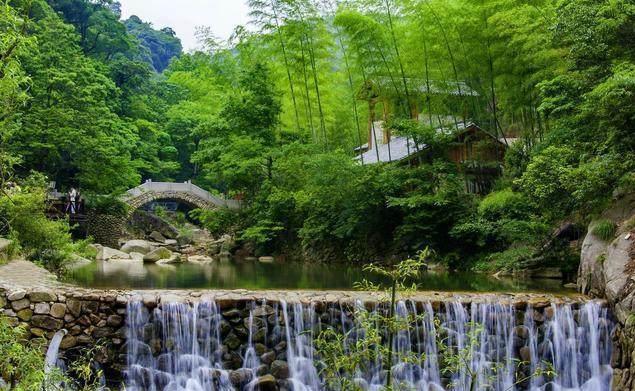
107 205
558 182
504 204
475 231
513 258
22 364
522 231
604 229
516 160
219 221
547 181
45 241
160 211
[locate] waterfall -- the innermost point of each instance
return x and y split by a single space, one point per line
494 346
51 360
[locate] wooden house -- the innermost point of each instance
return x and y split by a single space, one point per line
477 153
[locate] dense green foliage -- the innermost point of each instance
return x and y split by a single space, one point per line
272 117
157 47
22 361
91 113
23 364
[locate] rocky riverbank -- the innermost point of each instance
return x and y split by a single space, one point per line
607 270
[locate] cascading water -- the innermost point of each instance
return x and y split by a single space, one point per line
178 347
198 347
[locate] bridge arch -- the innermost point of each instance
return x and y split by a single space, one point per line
186 192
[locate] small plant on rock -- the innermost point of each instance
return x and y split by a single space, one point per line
343 356
605 229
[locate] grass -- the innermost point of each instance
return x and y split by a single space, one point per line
605 229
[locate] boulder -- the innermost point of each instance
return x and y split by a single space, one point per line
37 332
157 255
137 246
201 236
77 262
525 354
227 245
266 260
184 239
213 249
200 259
114 320
607 268
265 383
157 237
174 258
136 256
280 369
232 341
268 357
95 246
240 377
107 254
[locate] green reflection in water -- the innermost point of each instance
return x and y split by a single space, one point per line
255 275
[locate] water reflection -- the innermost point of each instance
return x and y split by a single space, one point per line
290 275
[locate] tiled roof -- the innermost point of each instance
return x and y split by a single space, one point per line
397 149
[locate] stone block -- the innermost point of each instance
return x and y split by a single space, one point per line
42 308
74 307
46 322
21 304
16 295
42 296
69 341
25 314
58 310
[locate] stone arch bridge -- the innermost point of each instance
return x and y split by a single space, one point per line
187 193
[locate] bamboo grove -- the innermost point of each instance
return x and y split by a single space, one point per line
279 114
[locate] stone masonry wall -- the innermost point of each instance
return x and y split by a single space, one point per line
31 297
105 229
99 317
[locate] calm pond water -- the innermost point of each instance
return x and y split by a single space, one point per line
290 275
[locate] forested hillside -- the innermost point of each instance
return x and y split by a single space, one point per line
274 116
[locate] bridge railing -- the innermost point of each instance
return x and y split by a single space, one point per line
186 187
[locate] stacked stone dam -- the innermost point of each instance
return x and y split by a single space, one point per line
270 346
241 340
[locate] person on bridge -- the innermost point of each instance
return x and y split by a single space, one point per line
79 202
71 199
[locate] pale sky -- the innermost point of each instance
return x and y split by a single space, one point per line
183 16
